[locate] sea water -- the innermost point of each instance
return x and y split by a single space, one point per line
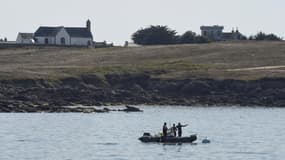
235 133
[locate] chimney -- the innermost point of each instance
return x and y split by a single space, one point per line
88 25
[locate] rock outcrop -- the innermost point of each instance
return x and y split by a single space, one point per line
133 89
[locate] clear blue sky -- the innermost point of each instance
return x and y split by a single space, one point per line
116 20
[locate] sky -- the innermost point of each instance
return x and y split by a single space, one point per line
116 20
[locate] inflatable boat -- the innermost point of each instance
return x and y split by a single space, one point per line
148 138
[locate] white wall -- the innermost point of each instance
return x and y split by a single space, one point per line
69 40
20 40
41 40
62 34
80 41
214 33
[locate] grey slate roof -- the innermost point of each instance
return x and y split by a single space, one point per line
27 35
47 31
78 32
72 31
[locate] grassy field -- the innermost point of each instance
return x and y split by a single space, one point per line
227 60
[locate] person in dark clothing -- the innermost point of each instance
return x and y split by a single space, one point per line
179 128
173 130
164 129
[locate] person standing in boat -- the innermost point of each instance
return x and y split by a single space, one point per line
173 130
164 129
179 128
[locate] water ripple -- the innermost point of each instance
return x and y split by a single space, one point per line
107 144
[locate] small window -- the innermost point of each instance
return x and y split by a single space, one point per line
46 41
89 43
62 41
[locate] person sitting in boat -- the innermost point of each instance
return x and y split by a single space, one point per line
179 128
173 130
164 130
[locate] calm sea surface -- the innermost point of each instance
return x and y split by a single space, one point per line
235 133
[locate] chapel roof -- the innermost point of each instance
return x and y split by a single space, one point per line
47 31
79 32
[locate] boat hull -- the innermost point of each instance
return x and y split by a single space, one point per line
151 139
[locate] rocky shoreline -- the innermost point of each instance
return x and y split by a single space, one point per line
113 89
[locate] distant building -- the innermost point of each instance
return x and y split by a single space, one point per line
212 32
131 44
103 44
25 38
234 35
4 42
216 33
66 36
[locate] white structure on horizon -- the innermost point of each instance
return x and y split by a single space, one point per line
65 36
212 32
25 38
216 33
131 44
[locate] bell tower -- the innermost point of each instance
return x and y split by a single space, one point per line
88 25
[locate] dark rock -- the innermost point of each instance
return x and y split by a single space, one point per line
94 80
196 88
131 109
277 83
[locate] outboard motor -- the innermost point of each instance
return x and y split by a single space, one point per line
146 137
146 134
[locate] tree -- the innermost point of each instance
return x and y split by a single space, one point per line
273 37
192 37
187 37
202 39
243 37
265 37
155 35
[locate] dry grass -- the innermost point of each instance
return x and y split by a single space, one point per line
215 60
